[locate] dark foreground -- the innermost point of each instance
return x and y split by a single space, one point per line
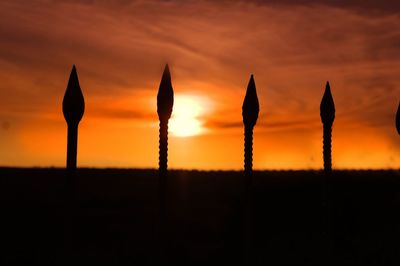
112 218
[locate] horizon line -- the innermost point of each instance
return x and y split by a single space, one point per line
200 170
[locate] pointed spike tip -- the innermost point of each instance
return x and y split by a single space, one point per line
166 73
251 106
165 96
327 107
398 119
73 102
73 76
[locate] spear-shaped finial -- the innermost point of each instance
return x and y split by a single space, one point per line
327 113
250 110
73 109
398 119
165 101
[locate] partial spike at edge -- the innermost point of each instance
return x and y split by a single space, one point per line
398 119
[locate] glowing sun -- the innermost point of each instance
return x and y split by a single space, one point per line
185 120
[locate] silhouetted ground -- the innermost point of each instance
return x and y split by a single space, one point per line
112 219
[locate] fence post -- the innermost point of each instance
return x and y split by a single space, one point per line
398 119
327 113
165 102
250 111
73 109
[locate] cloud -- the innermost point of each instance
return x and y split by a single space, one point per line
115 113
120 47
5 125
361 6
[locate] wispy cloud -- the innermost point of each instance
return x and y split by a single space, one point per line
120 47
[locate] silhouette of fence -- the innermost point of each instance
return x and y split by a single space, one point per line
74 106
73 109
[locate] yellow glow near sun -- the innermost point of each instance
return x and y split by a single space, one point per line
185 120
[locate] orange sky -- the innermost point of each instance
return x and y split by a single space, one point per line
120 48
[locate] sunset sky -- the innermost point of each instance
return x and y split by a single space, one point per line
120 48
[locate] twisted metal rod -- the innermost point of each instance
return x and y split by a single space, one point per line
327 148
163 147
162 188
248 150
72 143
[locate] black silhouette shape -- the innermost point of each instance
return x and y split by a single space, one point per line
327 113
398 119
250 110
73 109
165 101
